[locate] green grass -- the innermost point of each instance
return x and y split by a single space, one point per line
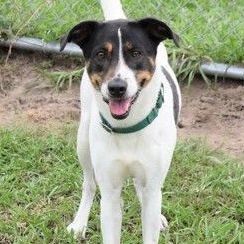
209 28
40 190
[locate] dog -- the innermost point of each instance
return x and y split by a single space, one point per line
130 103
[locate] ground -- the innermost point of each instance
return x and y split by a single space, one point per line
27 95
40 176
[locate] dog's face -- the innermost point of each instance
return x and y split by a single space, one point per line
120 57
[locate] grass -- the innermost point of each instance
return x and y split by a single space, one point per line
40 191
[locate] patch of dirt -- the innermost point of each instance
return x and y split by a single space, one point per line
215 114
27 95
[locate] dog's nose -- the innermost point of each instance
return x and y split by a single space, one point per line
117 87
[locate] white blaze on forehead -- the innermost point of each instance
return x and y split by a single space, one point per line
123 71
121 58
121 61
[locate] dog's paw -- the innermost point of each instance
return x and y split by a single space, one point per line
163 223
77 229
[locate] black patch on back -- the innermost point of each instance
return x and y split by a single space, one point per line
175 94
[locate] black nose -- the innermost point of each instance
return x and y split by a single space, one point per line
117 87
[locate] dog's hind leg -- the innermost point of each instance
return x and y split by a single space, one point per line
79 224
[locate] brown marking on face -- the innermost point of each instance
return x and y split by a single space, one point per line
143 77
96 80
109 47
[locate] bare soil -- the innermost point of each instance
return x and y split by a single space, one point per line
27 95
215 114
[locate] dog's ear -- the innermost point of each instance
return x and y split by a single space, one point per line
79 34
158 31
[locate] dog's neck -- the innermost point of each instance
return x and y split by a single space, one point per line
140 109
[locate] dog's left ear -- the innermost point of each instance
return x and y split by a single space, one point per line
158 31
79 34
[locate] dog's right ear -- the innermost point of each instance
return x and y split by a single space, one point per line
79 34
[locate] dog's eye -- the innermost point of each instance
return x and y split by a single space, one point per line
136 54
100 54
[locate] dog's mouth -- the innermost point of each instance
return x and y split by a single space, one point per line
120 108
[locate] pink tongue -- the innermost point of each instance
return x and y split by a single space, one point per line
119 107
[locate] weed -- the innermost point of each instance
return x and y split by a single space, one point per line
186 64
64 79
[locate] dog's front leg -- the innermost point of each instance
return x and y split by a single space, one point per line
79 224
111 215
151 214
139 189
109 177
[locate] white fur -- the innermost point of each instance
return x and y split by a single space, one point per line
108 159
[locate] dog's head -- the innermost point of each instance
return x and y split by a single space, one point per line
120 57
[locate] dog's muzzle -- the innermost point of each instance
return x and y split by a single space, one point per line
119 104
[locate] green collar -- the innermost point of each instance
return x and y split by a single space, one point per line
140 125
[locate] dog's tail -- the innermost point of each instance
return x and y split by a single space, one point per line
112 9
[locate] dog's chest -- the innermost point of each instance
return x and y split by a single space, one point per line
128 148
131 155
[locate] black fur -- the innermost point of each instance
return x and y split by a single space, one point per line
175 94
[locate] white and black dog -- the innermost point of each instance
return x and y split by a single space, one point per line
130 103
